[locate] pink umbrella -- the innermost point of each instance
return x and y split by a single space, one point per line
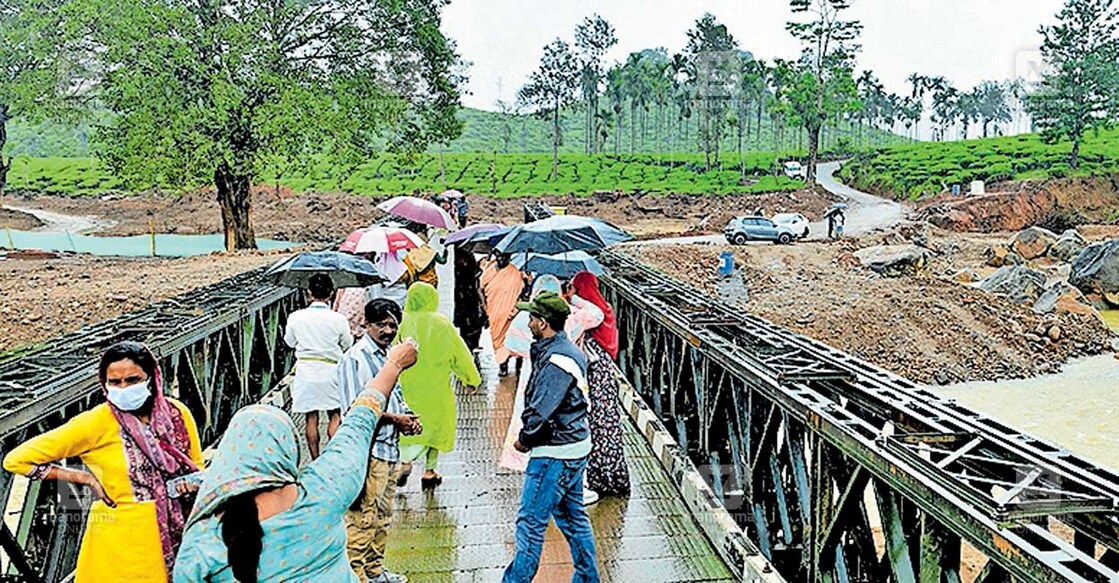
380 240
418 210
452 194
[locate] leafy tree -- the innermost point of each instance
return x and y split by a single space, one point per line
41 73
220 89
991 104
714 53
1080 90
593 38
551 87
824 84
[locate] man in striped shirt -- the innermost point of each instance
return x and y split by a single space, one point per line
368 519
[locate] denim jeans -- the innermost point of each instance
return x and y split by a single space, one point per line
553 489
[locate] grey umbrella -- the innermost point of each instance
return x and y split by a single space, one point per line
345 270
560 234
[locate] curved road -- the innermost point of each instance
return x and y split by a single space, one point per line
865 213
60 223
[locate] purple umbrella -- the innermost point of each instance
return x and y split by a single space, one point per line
470 231
418 210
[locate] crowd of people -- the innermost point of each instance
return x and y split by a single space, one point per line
381 363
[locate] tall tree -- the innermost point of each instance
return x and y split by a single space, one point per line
552 86
828 60
42 72
1080 89
991 104
223 89
714 53
593 38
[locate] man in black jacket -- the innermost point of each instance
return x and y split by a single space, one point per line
557 438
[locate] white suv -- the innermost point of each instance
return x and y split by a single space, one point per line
794 170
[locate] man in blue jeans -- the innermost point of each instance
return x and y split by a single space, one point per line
557 438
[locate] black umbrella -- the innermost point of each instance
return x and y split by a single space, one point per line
345 270
560 234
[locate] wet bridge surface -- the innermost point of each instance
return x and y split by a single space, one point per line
463 531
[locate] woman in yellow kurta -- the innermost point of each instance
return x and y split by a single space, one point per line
132 444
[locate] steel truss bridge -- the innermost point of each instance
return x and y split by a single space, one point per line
220 348
835 469
840 471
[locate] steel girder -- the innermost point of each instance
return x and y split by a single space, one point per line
841 471
220 348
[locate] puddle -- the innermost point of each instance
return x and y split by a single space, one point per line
135 246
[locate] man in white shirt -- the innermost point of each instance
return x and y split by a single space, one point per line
319 336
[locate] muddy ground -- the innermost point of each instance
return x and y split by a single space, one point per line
323 217
925 327
40 299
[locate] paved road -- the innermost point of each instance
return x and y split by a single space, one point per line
866 212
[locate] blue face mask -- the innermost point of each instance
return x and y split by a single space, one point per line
130 398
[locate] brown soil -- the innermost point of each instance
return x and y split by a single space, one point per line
16 220
323 217
47 298
43 298
925 327
1012 206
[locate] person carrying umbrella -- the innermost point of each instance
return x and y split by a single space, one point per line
319 336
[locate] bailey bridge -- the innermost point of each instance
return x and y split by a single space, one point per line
756 454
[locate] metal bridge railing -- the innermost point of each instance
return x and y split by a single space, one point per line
220 348
825 459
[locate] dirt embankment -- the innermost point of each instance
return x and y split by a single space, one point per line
46 298
40 299
1012 206
322 217
925 327
16 220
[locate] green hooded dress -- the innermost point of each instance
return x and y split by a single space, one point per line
427 385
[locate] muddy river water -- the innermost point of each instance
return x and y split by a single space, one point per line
1076 408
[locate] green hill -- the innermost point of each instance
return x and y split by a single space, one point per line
503 175
487 131
917 170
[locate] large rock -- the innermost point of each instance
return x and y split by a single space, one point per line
1016 283
1095 271
1033 242
1063 298
999 255
1067 246
893 260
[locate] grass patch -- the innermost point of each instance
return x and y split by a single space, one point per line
918 170
507 175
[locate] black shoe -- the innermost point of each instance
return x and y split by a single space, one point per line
503 370
431 483
402 479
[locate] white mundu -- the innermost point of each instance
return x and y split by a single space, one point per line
319 336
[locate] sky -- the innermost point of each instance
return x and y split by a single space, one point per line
967 41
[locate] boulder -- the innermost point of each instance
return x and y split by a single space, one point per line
1095 271
893 260
1002 255
965 276
1033 242
1062 298
1067 246
1016 283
